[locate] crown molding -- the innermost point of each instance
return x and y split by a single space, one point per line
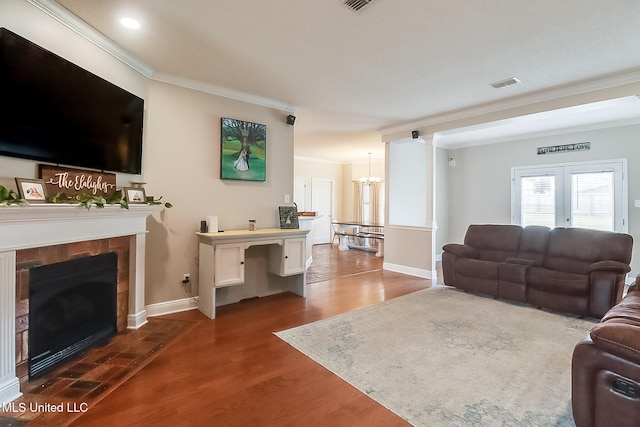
549 95
221 91
89 33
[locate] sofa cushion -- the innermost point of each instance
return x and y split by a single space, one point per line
534 242
559 282
573 250
494 242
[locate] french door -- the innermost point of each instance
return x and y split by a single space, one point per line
585 195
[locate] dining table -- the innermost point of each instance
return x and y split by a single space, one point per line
359 235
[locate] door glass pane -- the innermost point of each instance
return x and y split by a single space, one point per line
537 201
592 200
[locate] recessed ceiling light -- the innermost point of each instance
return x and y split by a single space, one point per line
130 23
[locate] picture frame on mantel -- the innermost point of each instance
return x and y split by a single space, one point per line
243 150
135 195
32 190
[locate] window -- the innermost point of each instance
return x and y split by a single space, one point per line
585 195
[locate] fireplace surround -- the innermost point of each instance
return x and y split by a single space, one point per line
40 226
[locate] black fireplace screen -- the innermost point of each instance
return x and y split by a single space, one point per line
72 307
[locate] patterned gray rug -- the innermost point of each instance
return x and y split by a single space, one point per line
441 357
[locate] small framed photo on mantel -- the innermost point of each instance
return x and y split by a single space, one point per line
135 195
32 190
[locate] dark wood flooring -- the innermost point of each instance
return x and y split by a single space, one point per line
329 262
233 371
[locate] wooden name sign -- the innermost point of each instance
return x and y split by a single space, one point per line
77 181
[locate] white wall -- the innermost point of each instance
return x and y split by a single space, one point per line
181 154
409 184
183 165
408 235
478 188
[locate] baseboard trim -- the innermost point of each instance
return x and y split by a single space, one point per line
412 271
175 306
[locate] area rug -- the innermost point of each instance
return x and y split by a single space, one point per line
442 357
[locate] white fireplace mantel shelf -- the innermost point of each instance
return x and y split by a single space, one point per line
24 227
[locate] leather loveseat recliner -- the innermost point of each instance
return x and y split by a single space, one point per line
605 369
569 270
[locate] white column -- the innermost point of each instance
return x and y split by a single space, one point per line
9 384
137 309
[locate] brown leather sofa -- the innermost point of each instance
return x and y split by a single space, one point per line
570 270
605 370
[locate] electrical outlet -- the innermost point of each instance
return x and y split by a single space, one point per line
186 278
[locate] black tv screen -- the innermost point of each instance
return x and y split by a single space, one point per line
54 111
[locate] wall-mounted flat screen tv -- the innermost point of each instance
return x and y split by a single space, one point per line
54 111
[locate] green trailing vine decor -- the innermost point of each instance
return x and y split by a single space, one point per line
89 200
10 197
153 201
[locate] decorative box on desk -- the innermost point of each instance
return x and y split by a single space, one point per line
264 262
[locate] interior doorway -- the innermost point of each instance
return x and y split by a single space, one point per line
316 195
322 202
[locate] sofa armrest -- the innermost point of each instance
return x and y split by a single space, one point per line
461 250
620 337
613 266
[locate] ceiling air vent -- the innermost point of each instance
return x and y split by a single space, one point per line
505 82
356 5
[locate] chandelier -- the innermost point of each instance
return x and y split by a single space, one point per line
368 180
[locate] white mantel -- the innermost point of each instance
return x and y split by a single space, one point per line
24 227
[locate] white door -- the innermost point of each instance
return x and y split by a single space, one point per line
322 203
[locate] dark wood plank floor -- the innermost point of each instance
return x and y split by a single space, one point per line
233 371
329 262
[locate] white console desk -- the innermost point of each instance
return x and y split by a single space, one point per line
279 267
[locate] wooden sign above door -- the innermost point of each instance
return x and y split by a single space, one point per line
77 181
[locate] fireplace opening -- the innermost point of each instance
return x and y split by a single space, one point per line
72 307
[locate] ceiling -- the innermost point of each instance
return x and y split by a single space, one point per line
346 75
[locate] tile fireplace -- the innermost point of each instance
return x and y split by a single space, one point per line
23 228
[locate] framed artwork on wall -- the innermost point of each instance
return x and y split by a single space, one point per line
243 150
